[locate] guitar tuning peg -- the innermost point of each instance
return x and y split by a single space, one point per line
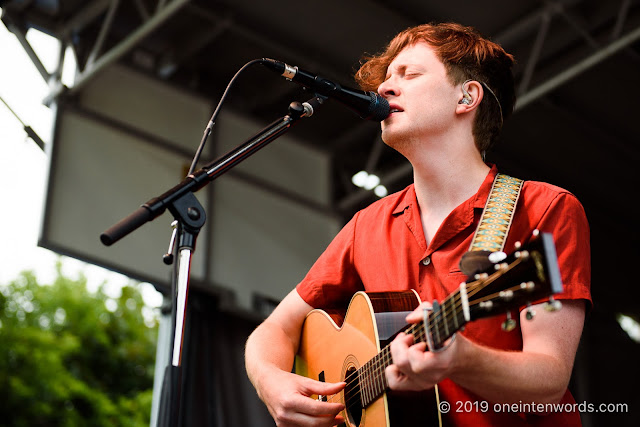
509 324
552 305
530 314
496 257
517 244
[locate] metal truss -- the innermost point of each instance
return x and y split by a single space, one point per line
98 58
534 27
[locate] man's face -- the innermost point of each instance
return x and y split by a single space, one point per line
422 98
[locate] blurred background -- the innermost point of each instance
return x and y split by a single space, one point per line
105 103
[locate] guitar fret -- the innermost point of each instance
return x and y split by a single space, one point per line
366 397
367 387
375 377
387 361
363 385
455 315
378 380
436 310
439 326
372 379
418 331
372 383
444 318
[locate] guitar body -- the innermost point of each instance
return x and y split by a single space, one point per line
330 353
357 350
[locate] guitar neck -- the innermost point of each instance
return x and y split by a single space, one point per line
441 323
528 274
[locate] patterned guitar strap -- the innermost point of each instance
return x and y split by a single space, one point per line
491 234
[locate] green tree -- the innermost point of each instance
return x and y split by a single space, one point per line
71 357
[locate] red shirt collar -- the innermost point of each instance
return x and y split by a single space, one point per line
459 219
477 201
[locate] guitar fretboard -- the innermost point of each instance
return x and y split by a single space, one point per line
444 321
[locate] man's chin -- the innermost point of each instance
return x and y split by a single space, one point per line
391 138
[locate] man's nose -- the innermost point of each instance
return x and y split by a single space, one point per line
387 88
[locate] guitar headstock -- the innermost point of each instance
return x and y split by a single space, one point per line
510 282
528 274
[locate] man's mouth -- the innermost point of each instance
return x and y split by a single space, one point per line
394 109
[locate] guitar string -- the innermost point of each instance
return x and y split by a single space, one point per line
353 400
472 289
365 370
377 366
371 369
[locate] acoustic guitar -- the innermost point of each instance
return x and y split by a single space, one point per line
357 351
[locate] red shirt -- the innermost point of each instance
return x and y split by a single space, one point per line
383 248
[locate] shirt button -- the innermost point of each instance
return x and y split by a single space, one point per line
426 261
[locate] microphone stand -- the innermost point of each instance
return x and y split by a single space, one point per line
190 217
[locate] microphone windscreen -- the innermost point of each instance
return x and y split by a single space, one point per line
379 108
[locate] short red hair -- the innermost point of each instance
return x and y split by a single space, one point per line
466 55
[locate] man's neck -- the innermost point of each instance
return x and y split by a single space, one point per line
446 185
443 180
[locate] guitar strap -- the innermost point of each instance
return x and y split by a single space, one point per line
497 216
494 225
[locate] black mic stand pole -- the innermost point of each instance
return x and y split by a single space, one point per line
189 217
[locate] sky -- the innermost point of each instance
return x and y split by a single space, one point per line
23 170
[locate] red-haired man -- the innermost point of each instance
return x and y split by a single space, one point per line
450 91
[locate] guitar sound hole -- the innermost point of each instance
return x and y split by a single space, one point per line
352 399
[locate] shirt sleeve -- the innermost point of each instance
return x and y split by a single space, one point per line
565 218
333 279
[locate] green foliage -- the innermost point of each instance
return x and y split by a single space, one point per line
70 357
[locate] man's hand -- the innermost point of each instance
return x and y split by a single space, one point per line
288 399
413 367
269 355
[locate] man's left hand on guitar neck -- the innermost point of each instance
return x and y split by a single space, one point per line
414 368
539 373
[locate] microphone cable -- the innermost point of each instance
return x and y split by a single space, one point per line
212 121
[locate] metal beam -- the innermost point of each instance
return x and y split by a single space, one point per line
102 35
622 16
543 29
88 13
144 13
22 38
527 25
170 61
119 50
582 66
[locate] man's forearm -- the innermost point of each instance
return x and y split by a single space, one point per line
539 373
511 376
267 348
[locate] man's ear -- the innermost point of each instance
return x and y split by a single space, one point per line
471 93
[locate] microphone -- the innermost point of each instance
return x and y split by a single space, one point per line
368 105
